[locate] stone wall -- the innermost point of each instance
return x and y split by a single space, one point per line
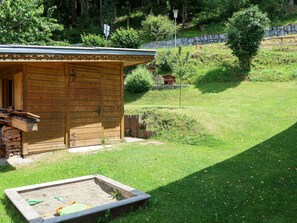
218 38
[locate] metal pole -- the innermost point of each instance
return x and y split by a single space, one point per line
180 90
175 32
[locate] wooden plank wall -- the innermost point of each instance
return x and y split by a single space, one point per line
45 96
113 107
91 107
95 103
84 105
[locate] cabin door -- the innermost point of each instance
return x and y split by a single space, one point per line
85 106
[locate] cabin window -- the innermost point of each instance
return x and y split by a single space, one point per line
13 92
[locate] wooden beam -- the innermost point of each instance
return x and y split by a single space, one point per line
67 104
23 125
122 134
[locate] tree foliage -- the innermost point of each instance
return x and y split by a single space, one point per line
22 22
93 40
157 28
140 80
125 38
245 31
180 68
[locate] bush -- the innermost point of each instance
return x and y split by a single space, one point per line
156 28
125 38
140 80
93 40
246 29
178 128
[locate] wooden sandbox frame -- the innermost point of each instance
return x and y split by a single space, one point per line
132 199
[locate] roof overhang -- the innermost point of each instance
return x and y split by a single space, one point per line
15 53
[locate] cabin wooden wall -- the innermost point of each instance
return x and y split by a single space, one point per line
44 95
113 101
95 103
78 112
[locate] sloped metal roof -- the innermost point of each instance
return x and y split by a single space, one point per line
17 53
15 49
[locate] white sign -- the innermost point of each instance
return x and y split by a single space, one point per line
106 30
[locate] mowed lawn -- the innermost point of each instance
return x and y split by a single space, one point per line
250 176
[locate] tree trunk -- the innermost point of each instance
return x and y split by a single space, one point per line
143 2
85 7
128 13
184 16
73 12
100 14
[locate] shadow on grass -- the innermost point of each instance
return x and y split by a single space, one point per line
6 167
258 185
220 79
12 211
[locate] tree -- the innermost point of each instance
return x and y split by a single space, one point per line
157 28
109 11
245 31
22 22
179 68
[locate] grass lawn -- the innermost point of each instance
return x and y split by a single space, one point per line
249 177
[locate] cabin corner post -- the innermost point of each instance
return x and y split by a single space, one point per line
122 127
67 110
25 108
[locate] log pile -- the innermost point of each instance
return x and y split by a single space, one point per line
13 123
135 127
11 138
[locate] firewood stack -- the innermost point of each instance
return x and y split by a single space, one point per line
13 123
11 138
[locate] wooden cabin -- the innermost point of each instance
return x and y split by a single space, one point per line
77 92
169 79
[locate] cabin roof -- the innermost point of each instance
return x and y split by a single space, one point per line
18 53
168 75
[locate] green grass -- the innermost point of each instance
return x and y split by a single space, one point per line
249 177
192 30
215 63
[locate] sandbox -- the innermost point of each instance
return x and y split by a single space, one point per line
98 193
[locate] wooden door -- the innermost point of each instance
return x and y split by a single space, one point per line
85 106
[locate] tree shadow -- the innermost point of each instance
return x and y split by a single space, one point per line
6 167
12 211
220 79
258 185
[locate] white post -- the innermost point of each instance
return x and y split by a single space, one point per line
175 12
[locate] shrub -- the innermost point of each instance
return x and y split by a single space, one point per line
246 29
179 128
140 80
93 40
156 28
125 38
